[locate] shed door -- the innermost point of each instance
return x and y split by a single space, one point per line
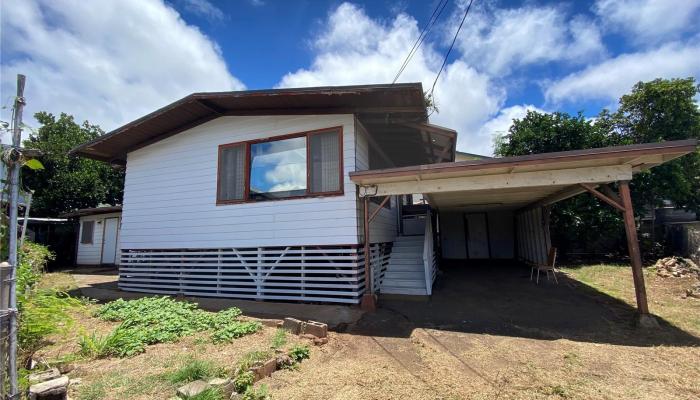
477 230
109 241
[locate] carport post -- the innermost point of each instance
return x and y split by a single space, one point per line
633 247
368 301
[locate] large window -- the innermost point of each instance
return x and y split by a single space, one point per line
304 164
87 232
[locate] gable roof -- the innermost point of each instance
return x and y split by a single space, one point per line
402 100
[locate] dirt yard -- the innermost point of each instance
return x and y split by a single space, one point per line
485 334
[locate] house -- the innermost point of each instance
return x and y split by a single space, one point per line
284 194
97 238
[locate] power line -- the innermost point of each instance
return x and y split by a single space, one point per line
466 12
424 33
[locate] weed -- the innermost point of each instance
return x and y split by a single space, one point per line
92 391
558 390
122 342
260 393
252 358
194 369
280 338
299 352
209 394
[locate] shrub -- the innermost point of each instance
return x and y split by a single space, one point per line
299 352
243 380
120 342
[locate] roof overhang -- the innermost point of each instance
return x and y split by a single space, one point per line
92 211
517 182
404 102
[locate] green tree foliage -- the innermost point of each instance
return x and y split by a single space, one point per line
654 111
68 182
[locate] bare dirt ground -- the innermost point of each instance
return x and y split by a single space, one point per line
485 334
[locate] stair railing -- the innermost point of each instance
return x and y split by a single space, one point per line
428 253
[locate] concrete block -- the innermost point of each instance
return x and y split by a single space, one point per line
293 325
225 385
265 369
192 389
318 329
55 389
43 376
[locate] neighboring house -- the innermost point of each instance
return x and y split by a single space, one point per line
98 235
271 194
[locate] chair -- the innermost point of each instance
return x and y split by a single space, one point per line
547 268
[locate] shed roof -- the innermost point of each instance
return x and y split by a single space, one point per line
404 101
92 211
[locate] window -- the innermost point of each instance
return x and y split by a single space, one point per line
86 232
298 165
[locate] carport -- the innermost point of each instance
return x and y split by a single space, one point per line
524 187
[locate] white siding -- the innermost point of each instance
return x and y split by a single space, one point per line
383 226
170 192
91 253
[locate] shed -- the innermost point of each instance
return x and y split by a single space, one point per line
97 239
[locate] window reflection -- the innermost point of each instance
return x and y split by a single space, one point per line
278 169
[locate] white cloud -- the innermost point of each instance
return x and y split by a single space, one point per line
109 64
616 76
649 21
501 40
205 9
355 49
499 125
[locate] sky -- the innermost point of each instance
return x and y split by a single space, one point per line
112 61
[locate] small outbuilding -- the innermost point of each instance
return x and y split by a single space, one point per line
97 239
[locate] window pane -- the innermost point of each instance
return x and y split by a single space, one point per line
278 169
325 162
232 173
86 234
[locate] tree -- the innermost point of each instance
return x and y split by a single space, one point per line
68 182
653 111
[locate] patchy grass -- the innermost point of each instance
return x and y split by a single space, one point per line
193 369
665 295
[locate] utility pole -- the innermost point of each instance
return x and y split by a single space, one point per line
14 168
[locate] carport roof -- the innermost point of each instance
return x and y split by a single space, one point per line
516 182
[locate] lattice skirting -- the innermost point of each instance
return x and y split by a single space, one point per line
328 274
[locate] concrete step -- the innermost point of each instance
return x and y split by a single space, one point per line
409 239
398 274
400 290
406 261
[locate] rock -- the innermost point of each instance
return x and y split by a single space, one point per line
55 389
66 368
293 325
320 341
318 329
192 389
265 369
283 360
676 267
225 385
43 376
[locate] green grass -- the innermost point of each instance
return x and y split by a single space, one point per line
209 394
194 369
280 338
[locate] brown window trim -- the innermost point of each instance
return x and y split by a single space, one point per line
308 194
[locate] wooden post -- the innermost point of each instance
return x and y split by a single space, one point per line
635 255
368 301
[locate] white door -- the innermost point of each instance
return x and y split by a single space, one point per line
477 235
109 241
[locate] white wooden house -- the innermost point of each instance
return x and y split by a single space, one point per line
271 194
98 235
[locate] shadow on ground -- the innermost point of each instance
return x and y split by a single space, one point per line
501 300
497 300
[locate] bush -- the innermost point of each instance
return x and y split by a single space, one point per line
162 319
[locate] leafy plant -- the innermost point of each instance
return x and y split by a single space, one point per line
299 352
120 342
243 380
162 319
194 369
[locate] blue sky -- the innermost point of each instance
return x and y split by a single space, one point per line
115 60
